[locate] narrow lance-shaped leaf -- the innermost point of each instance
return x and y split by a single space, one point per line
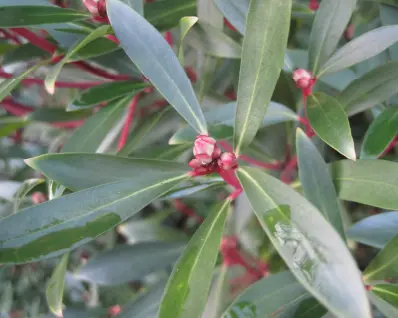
63 224
271 294
374 87
264 45
55 288
24 189
387 292
54 72
297 230
186 292
384 307
79 171
330 22
89 136
376 230
329 120
10 124
105 92
156 60
317 182
20 16
235 12
385 264
361 49
371 182
380 133
129 263
186 23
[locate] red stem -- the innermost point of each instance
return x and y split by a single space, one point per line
129 119
186 210
390 146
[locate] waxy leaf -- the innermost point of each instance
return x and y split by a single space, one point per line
186 23
264 45
374 87
380 133
9 124
89 136
331 20
316 181
55 288
329 120
105 92
376 230
54 115
387 292
156 60
310 308
54 72
20 16
385 264
186 292
361 49
129 262
24 189
79 171
371 182
271 294
297 230
384 307
63 224
235 12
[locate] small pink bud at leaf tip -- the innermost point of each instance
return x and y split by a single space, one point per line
303 78
38 197
227 161
203 148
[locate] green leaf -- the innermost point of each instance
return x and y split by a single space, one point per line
129 263
52 115
316 181
8 85
271 294
376 230
52 75
164 15
384 307
385 264
186 23
329 120
79 171
235 12
387 292
10 124
63 224
21 16
264 46
142 131
324 267
55 288
310 308
331 20
388 16
380 133
105 92
89 136
24 52
372 88
189 283
156 60
371 182
24 189
213 42
359 50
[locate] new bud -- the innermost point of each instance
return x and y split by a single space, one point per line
204 148
227 161
38 197
303 78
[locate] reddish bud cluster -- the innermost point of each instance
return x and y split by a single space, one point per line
38 198
313 5
209 158
304 80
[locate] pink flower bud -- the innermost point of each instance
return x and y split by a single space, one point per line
203 148
38 197
303 78
227 161
195 163
114 310
216 153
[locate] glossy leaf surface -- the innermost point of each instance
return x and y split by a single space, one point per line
329 120
189 283
297 230
264 45
156 60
